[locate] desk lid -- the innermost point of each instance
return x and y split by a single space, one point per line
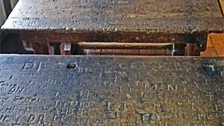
71 90
150 16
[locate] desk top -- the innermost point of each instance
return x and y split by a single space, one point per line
150 16
72 90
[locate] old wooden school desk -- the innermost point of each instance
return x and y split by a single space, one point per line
114 91
48 25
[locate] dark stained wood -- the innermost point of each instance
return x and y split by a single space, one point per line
55 37
179 21
141 37
77 90
153 16
65 48
116 45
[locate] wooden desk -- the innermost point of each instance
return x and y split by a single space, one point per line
42 23
73 90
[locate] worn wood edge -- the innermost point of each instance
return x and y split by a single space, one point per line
106 56
123 37
160 25
116 45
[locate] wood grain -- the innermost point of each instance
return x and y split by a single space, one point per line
151 16
222 5
111 91
215 45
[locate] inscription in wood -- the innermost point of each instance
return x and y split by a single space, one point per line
73 90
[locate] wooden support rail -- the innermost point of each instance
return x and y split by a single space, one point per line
116 45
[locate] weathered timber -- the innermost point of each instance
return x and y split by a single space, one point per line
164 21
75 90
152 16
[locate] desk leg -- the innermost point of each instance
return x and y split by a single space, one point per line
192 50
35 47
66 48
51 50
35 43
178 50
199 44
60 48
54 48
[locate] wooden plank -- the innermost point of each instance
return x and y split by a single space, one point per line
209 52
108 52
220 51
77 90
154 52
216 37
117 45
93 51
217 40
209 41
215 45
222 5
223 41
113 8
151 16
218 44
123 51
131 52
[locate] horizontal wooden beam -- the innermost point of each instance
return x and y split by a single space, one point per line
116 45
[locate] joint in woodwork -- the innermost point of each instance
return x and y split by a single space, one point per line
66 48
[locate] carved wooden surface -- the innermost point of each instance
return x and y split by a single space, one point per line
151 16
72 90
151 21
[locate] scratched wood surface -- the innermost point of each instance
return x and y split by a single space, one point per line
72 90
151 16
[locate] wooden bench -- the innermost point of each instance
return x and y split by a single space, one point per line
99 90
48 25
